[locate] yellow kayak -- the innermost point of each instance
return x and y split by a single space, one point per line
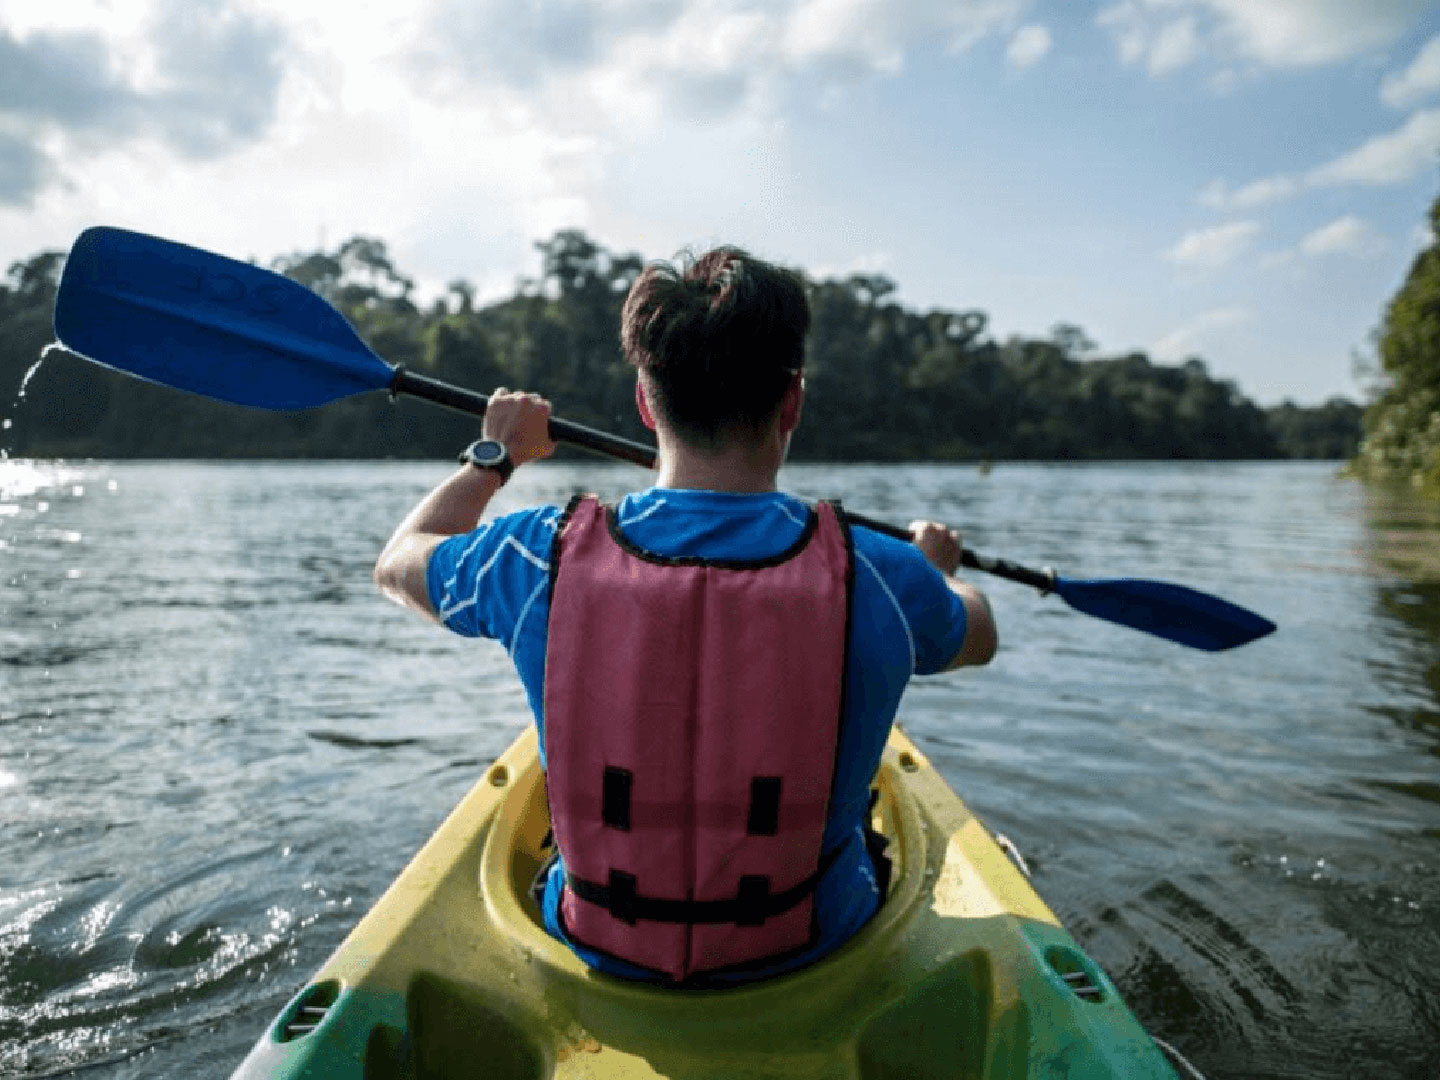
963 973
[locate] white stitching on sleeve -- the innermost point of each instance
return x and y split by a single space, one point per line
656 505
786 511
524 612
904 622
449 586
446 612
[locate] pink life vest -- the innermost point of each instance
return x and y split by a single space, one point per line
692 721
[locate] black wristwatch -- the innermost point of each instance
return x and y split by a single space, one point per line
489 454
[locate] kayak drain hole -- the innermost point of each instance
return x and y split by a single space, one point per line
908 762
308 1011
499 775
1077 973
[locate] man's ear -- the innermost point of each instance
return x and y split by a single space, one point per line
641 403
792 404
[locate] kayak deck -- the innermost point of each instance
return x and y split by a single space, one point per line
963 972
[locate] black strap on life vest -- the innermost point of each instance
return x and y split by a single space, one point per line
751 906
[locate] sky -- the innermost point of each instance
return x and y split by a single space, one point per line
1246 181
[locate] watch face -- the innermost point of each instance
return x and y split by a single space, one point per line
487 452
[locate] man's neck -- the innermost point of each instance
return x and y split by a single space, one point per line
747 469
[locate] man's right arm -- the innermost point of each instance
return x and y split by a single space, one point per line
518 421
942 547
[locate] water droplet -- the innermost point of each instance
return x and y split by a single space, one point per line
6 424
25 380
111 485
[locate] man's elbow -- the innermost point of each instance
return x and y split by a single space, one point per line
986 642
384 572
981 637
400 575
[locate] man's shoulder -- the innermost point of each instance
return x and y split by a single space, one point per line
532 528
543 519
888 554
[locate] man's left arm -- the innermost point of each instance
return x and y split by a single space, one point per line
519 422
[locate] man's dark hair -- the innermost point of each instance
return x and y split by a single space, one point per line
719 339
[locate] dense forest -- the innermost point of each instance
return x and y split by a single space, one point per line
1402 425
886 383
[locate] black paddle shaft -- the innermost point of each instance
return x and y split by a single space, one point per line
1044 580
602 442
567 431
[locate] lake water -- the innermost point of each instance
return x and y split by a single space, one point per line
218 745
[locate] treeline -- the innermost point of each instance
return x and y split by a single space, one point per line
1402 425
886 383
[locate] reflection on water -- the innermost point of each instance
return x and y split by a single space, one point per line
219 745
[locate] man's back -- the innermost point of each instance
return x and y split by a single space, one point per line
494 582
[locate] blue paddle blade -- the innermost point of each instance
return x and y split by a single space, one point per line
196 321
1192 618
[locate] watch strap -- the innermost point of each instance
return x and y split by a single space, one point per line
502 466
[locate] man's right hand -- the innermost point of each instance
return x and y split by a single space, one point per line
943 547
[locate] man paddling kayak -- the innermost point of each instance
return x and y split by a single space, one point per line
713 665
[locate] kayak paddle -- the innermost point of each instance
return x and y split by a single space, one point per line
196 321
187 318
1175 612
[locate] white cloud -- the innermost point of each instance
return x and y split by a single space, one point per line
704 56
1387 159
1189 339
201 81
1349 235
1176 45
1218 196
1419 80
1213 247
1306 33
1394 158
1028 46
459 142
1133 24
593 79
1166 35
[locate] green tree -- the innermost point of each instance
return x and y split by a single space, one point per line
1402 425
886 382
1330 431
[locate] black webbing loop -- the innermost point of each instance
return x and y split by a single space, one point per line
615 797
752 898
621 898
749 907
764 817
